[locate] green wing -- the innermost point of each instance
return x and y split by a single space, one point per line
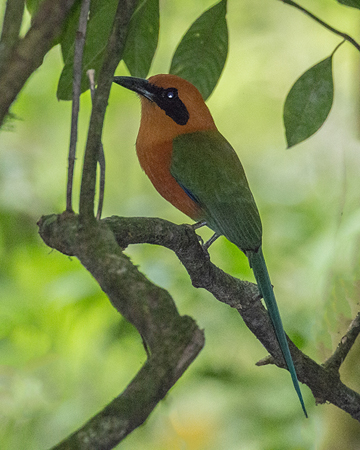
208 169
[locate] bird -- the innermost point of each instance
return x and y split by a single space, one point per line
194 167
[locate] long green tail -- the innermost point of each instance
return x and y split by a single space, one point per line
258 265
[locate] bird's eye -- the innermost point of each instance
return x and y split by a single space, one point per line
168 100
170 93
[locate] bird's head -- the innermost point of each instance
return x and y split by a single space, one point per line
170 105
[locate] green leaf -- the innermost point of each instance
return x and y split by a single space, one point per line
200 57
142 38
32 6
101 18
353 3
309 102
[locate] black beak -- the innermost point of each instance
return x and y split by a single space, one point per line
138 85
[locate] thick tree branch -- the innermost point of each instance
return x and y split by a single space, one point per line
174 341
11 29
28 54
61 232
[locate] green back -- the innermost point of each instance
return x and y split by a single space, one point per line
209 170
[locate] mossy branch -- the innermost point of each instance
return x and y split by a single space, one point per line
173 341
64 233
13 16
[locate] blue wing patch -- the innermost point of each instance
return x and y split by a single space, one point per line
189 193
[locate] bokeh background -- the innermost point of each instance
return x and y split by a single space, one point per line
65 352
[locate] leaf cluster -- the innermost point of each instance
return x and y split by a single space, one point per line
199 57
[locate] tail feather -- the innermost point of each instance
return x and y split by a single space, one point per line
258 265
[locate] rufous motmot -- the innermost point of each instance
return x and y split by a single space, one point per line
194 167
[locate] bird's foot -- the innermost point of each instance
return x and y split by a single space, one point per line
210 241
199 224
204 245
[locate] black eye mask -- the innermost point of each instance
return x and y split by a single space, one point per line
169 101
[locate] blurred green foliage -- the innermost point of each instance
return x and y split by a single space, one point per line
65 352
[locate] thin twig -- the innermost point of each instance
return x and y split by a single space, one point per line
101 157
78 57
324 24
345 345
